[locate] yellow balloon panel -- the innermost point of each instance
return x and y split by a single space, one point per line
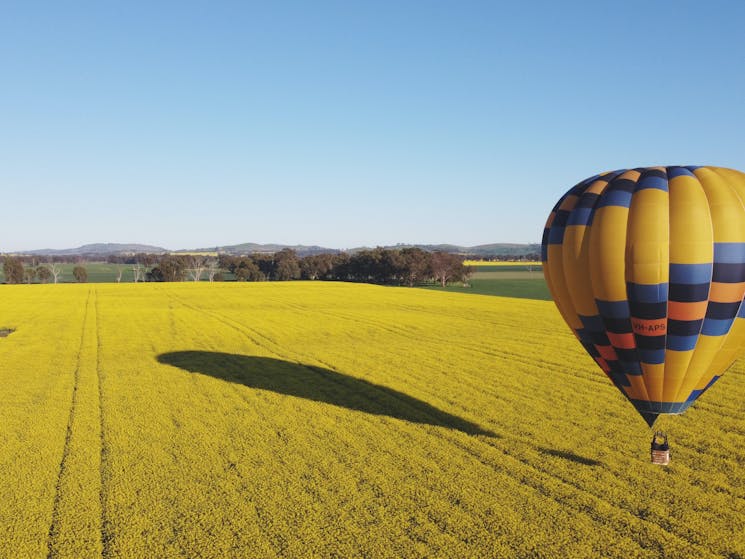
647 266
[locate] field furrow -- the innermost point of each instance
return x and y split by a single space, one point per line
75 530
104 468
39 364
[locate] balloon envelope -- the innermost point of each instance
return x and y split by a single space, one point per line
647 267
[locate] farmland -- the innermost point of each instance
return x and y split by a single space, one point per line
506 279
98 272
324 419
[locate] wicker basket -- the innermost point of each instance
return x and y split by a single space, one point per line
660 449
661 457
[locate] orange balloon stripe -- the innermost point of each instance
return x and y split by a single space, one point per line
726 292
607 352
622 341
603 364
686 311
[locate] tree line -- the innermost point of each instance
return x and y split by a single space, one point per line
408 266
16 270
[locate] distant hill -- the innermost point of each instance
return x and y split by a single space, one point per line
252 248
99 249
104 249
484 251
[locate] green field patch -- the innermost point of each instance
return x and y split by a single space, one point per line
507 275
523 289
507 283
536 268
98 272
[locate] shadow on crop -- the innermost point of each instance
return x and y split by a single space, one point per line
317 384
571 456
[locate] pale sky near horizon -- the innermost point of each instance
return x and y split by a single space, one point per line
341 124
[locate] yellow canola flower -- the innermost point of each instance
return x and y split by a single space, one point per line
315 419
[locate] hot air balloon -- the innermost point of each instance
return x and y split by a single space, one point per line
647 267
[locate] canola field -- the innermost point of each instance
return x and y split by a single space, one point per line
307 419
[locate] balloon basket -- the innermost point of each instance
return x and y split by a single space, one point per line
660 449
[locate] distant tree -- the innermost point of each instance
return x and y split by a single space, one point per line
447 267
392 267
266 263
228 262
173 267
55 269
374 266
340 267
44 275
138 273
29 274
155 274
416 265
195 267
286 265
464 273
13 269
80 274
327 269
213 269
119 273
362 266
247 270
317 266
146 259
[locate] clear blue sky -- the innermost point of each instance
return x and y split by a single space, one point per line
194 124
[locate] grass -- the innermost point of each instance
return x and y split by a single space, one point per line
321 419
536 269
505 282
502 264
98 272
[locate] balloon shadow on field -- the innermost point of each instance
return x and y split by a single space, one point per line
317 384
571 456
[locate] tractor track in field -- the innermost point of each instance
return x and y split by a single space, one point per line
54 525
436 343
107 527
380 325
510 465
238 328
254 336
